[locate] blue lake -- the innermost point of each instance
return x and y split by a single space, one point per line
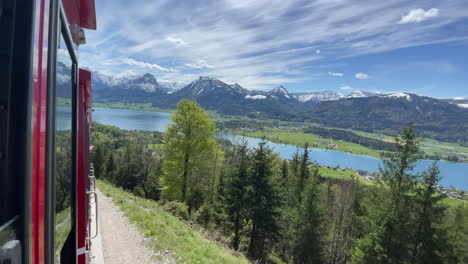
454 174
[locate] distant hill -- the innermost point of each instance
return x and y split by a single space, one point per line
445 120
432 117
460 101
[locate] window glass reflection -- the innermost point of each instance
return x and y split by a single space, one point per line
63 142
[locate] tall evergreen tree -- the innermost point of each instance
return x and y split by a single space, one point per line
130 166
398 174
303 171
392 241
295 163
189 145
309 245
264 202
236 199
110 167
430 239
285 170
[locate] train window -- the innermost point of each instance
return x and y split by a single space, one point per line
63 148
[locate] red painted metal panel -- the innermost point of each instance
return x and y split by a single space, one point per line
87 14
81 13
82 165
41 36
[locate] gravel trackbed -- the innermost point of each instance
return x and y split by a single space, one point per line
121 240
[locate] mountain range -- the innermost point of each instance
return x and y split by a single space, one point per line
445 120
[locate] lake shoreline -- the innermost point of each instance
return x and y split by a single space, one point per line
453 173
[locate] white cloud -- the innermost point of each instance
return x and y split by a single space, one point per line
346 87
201 64
419 15
258 43
335 74
177 41
361 76
317 51
141 64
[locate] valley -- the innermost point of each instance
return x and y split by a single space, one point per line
372 112
297 133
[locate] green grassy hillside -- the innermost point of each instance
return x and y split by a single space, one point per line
167 232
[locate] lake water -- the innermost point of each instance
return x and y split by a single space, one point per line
454 174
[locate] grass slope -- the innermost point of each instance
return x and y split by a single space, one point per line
298 139
167 232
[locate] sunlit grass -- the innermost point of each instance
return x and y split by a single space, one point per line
299 139
168 233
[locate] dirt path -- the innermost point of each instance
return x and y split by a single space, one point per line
121 240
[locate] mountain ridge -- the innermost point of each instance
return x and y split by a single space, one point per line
365 111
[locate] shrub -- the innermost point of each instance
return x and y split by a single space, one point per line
178 209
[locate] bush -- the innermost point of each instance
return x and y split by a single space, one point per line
178 209
205 214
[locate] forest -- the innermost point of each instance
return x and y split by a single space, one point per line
283 211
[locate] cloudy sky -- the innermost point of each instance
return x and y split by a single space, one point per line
340 45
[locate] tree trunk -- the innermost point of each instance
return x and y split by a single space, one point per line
255 250
236 240
184 177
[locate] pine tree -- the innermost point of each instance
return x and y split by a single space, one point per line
189 145
264 203
309 245
284 170
303 171
391 241
236 198
295 163
130 169
397 172
430 239
110 168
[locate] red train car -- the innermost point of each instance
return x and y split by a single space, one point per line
45 115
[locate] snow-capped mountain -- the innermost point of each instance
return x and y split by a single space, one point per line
171 86
146 83
398 95
462 102
207 85
280 92
363 94
107 80
239 88
317 96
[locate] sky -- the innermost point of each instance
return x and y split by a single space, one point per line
339 45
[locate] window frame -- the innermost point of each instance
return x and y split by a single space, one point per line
59 30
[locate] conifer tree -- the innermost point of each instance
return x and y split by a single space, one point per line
284 170
236 198
264 202
430 239
295 163
309 245
391 242
110 168
303 171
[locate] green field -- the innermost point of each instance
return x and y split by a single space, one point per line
291 132
167 232
429 146
132 106
343 175
299 139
